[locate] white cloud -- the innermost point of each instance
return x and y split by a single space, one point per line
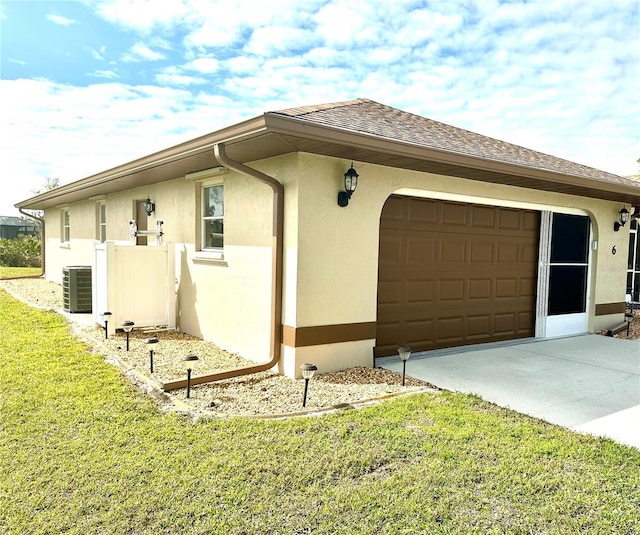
276 40
142 15
240 65
175 79
100 53
560 77
141 52
203 65
62 21
72 132
108 75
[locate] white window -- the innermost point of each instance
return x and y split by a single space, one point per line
212 217
65 227
101 212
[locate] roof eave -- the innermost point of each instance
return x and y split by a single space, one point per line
331 134
245 129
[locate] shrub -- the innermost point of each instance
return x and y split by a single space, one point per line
24 251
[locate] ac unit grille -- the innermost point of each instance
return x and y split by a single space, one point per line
76 288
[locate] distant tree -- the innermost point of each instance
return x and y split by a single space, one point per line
49 184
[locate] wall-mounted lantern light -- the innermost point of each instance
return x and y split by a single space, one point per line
190 362
350 185
623 217
127 327
105 317
405 353
308 371
149 206
151 341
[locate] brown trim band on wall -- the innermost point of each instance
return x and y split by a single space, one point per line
327 334
602 309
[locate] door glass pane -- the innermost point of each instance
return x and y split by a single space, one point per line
567 289
637 236
570 241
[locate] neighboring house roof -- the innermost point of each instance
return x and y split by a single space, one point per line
365 131
14 221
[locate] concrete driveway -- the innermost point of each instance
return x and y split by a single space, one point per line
587 383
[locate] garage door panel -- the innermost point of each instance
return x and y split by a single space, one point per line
528 253
508 253
526 323
478 326
422 212
454 214
419 332
449 329
481 252
508 219
531 222
390 292
453 252
527 287
506 288
458 274
391 249
479 289
483 216
420 292
421 250
505 324
451 290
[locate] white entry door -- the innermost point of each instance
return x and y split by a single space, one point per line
564 275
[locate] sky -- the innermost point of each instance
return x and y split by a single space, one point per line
86 85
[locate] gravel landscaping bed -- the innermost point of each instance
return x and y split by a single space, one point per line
262 394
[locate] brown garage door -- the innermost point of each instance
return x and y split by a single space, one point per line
452 274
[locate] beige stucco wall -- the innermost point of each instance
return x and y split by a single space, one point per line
226 301
330 253
82 229
338 256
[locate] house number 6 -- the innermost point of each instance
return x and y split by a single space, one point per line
613 250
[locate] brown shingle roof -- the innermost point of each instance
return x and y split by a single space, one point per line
372 118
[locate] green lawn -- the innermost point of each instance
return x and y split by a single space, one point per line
18 271
82 451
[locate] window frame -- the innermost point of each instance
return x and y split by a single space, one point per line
204 218
101 222
65 227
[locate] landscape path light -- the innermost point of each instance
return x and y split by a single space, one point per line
190 360
105 317
308 371
405 353
628 317
151 341
127 327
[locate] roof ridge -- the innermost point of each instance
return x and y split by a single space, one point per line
299 111
388 122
